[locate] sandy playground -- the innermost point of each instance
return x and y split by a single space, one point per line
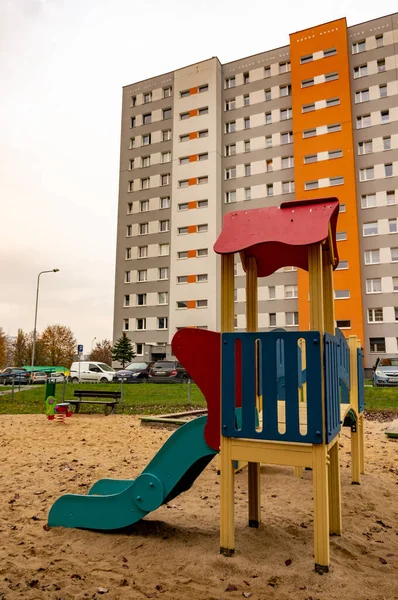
173 553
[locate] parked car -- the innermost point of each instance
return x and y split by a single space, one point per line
57 376
168 371
18 375
91 371
134 373
38 377
386 372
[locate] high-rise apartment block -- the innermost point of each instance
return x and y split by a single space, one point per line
316 118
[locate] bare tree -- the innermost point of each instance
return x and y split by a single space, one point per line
102 352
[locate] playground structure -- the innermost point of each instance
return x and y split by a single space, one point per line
57 412
274 398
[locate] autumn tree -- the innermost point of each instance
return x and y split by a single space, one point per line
102 352
59 345
123 350
3 349
20 349
26 348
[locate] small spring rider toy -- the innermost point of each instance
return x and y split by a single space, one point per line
57 412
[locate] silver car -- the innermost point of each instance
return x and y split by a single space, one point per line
386 371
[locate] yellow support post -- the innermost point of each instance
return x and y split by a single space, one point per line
252 325
361 432
355 435
321 507
328 296
315 272
335 522
227 527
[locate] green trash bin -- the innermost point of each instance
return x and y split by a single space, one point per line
50 388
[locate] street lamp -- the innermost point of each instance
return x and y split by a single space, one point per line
92 343
34 328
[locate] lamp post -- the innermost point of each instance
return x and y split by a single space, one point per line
34 328
92 343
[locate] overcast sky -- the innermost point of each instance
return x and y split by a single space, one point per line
62 67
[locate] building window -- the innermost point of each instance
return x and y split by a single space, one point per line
127 276
269 165
270 189
163 297
247 170
394 254
131 164
132 142
390 198
163 273
370 229
128 253
246 78
335 154
183 183
308 107
372 257
341 294
359 47
368 201
165 179
164 225
268 118
162 322
329 52
182 254
141 300
291 291
204 133
395 284
271 292
286 137
331 76
201 278
202 204
142 251
166 135
132 122
141 324
336 181
139 349
246 100
272 319
332 102
341 236
129 230
131 186
230 82
125 324
310 158
182 304
248 194
165 202
377 344
147 119
203 156
365 147
342 266
287 187
287 162
285 90
385 116
333 128
392 225
133 101
373 286
167 92
230 127
307 133
230 197
129 208
203 179
203 88
362 96
344 324
387 143
383 90
202 228
342 208
164 249
143 228
185 94
203 111
184 160
166 157
146 139
201 252
183 230
144 205
388 170
230 104
145 161
292 318
267 94
306 59
366 174
182 279
381 65
268 142
286 113
142 275
246 122
307 83
379 41
230 150
267 72
360 71
311 185
201 303
284 67
184 116
375 315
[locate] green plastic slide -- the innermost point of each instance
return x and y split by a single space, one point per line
114 504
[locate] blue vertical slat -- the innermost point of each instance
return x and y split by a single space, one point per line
314 386
291 389
228 385
248 385
361 381
270 387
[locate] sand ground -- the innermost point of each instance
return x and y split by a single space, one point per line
174 553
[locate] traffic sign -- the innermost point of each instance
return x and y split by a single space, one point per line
80 348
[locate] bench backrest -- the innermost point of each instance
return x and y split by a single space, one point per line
98 394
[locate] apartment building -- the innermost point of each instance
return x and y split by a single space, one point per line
321 112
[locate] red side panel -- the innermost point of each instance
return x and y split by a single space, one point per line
199 352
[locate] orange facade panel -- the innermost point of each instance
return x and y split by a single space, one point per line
191 278
193 135
193 158
192 181
194 90
192 204
193 113
191 228
191 253
191 304
332 38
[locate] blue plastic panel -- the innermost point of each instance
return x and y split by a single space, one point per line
277 357
332 347
361 380
344 366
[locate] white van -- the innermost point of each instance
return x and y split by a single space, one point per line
91 371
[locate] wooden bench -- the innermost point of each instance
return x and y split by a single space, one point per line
114 398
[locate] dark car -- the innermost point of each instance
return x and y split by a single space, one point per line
14 374
168 371
134 373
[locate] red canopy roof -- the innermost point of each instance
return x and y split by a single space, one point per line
279 237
